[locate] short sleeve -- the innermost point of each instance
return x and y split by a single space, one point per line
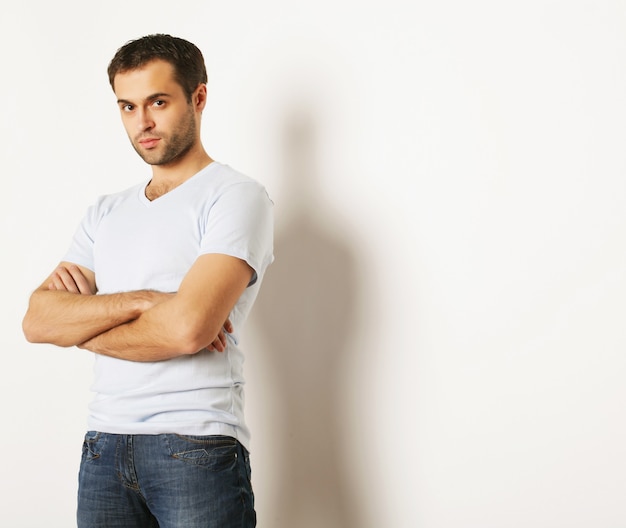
81 248
240 223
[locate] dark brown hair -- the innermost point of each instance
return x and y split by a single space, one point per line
185 57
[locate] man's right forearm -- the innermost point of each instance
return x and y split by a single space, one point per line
66 319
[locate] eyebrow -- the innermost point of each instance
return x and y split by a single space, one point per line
149 98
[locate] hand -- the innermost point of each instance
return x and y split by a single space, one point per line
219 344
70 279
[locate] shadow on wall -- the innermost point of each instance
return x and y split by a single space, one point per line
305 312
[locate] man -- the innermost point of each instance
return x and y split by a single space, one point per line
158 282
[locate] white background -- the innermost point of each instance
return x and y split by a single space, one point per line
440 342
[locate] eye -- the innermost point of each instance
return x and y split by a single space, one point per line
127 107
159 103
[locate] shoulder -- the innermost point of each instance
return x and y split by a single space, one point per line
120 196
105 203
225 178
220 186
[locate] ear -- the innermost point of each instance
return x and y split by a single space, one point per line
199 97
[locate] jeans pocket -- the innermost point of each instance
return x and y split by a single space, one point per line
215 453
93 445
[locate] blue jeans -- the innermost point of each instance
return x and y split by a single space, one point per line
164 481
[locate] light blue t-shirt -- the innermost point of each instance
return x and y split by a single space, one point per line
132 243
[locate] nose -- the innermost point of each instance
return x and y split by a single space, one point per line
144 120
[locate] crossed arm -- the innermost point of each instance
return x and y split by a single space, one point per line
141 325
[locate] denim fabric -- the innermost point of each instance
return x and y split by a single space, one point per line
164 481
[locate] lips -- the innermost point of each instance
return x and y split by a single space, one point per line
148 142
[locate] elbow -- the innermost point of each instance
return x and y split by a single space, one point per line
37 333
30 331
190 344
193 338
32 327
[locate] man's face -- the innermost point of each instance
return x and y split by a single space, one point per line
160 122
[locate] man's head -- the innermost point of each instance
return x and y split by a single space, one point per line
160 84
186 59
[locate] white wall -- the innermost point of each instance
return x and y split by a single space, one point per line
440 342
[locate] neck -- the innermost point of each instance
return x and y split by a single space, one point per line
168 177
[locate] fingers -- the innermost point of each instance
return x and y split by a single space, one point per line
62 280
219 343
70 279
80 280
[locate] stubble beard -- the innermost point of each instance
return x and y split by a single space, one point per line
176 145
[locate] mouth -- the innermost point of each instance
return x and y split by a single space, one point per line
148 143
